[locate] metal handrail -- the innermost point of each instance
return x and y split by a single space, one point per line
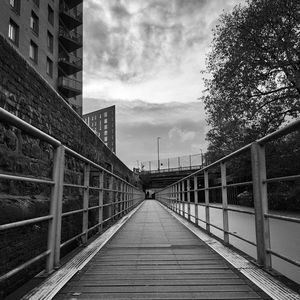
197 167
178 194
63 7
69 83
129 195
70 58
70 34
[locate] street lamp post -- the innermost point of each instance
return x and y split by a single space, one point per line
158 162
201 158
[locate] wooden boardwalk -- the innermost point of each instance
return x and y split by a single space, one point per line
155 257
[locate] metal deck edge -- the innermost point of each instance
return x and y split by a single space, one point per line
54 283
270 285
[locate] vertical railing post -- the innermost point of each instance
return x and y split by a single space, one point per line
260 204
110 197
86 192
127 198
100 201
54 228
172 200
182 198
196 200
206 193
122 198
224 202
176 196
188 198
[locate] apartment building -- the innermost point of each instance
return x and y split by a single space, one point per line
103 122
48 34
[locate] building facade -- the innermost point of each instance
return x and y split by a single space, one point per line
103 122
48 34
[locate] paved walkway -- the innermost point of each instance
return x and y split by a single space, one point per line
155 257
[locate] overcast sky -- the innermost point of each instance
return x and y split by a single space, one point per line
145 57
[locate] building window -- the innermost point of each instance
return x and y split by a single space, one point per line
13 32
50 42
36 2
15 5
105 114
34 23
33 51
50 15
49 67
105 132
105 139
105 121
105 126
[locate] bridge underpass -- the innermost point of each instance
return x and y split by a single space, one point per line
142 249
163 178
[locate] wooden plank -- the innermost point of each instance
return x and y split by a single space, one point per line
155 257
177 295
93 288
87 281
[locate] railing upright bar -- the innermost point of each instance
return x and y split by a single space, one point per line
260 204
196 200
206 186
53 210
59 201
176 195
188 187
85 215
126 198
173 197
224 202
110 196
182 199
100 201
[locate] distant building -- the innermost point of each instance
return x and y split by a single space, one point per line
48 33
103 122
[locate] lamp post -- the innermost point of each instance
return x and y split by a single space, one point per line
201 158
158 162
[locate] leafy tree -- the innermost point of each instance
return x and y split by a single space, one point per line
254 64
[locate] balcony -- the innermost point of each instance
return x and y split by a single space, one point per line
71 18
69 87
72 3
69 64
70 39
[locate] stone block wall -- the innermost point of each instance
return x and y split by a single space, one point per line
27 95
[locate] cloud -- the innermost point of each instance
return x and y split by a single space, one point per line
182 135
134 45
132 39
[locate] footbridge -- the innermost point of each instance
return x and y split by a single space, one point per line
208 235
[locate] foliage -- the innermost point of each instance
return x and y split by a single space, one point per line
254 64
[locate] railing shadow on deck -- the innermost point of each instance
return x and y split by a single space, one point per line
99 198
256 185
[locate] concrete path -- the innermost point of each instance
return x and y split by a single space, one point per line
155 257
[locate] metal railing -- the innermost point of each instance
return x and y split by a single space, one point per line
70 34
186 162
121 197
178 196
72 12
171 170
69 83
71 59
